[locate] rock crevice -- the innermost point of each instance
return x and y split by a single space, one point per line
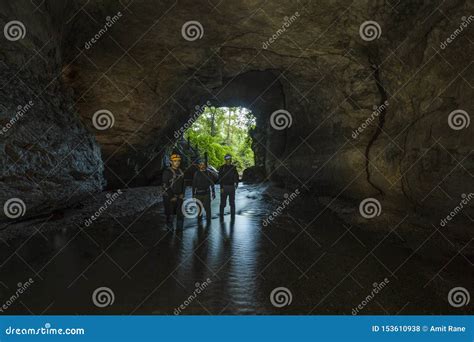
150 78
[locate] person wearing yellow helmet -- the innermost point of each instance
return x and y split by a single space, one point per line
173 188
175 160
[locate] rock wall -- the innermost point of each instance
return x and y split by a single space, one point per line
48 159
136 65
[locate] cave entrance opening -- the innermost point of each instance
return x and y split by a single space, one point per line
218 131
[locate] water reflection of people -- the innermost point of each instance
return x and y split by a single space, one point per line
202 233
229 180
227 235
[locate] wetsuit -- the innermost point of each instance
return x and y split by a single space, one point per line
229 180
173 192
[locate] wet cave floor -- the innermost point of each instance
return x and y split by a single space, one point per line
228 267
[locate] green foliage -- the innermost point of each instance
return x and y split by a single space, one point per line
224 130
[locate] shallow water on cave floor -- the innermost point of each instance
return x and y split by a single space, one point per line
329 267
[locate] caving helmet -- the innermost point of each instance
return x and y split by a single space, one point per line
175 156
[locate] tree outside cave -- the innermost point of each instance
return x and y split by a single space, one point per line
222 130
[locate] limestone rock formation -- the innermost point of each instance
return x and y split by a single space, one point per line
366 89
48 158
254 174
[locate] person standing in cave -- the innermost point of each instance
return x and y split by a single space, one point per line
229 180
173 189
203 189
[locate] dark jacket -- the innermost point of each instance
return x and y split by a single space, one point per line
173 182
202 182
228 175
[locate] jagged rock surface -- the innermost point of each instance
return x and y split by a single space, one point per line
48 158
319 69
